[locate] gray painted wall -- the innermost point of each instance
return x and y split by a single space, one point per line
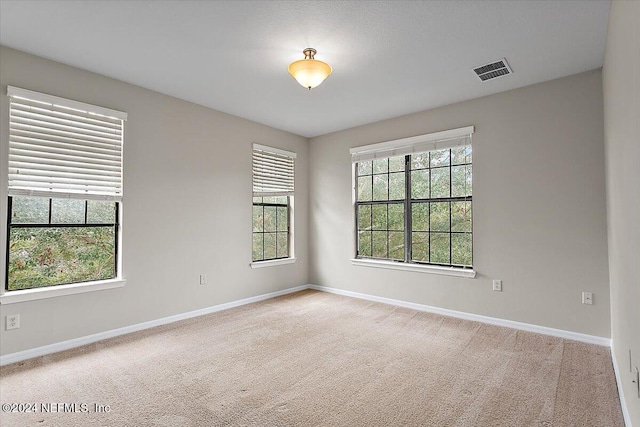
187 208
538 200
621 84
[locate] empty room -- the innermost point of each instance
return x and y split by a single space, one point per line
320 213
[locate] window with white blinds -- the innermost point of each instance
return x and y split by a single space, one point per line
64 149
273 171
273 218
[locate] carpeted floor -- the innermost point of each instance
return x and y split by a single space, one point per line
317 359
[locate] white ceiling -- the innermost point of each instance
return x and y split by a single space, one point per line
389 58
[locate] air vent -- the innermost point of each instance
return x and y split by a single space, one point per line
493 71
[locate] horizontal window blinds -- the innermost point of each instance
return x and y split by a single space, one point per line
63 148
273 171
413 145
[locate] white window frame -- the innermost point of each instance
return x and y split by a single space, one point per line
286 189
403 147
17 296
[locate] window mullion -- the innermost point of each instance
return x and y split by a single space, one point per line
408 226
450 206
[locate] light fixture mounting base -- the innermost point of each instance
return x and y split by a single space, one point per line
309 53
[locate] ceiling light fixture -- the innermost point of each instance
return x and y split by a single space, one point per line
309 72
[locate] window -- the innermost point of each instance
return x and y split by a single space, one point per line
61 241
65 191
273 188
414 200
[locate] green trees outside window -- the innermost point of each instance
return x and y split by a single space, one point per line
416 208
270 228
60 241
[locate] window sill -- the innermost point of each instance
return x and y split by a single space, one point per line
433 269
260 264
11 297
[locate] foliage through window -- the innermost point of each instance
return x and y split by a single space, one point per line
270 228
416 208
60 241
65 191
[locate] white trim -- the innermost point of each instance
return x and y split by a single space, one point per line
422 268
274 150
12 297
413 140
623 403
77 342
69 103
576 336
272 262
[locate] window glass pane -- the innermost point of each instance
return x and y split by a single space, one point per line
269 199
396 186
364 188
380 244
257 219
67 211
461 249
269 245
381 187
380 165
365 168
396 245
439 216
257 247
396 216
282 219
281 200
269 218
396 164
461 216
420 184
420 216
420 247
461 155
420 161
282 245
29 210
55 255
440 248
439 157
257 200
440 185
99 212
364 217
461 181
364 243
379 217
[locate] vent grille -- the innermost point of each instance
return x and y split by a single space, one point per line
493 70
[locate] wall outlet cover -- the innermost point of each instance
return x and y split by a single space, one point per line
12 321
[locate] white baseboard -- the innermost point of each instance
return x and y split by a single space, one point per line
77 342
576 336
89 339
623 403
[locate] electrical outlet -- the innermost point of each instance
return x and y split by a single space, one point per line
12 321
203 279
587 298
497 285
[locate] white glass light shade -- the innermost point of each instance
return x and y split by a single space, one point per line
309 72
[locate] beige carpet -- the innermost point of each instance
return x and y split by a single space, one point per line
317 359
